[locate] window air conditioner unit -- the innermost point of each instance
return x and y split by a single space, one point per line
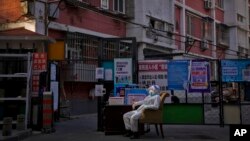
207 4
204 44
190 40
24 7
27 7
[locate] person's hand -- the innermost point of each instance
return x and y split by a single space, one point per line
133 105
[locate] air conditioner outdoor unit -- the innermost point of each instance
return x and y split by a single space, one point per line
190 40
27 7
207 4
204 44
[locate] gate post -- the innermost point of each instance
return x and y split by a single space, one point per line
220 94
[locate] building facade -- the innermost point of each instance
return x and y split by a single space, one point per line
164 29
153 26
74 25
217 27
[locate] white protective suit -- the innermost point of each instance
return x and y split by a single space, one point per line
152 101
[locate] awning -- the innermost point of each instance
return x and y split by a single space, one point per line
23 34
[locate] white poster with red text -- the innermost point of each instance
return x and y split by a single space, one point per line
153 72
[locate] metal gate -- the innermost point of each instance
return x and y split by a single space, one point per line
84 54
215 108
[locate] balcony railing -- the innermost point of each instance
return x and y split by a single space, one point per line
79 72
159 36
223 42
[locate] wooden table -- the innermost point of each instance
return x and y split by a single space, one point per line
113 119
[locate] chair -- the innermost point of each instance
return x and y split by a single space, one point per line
154 116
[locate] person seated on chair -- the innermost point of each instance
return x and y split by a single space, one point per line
152 101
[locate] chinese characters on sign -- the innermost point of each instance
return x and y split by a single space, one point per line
235 70
39 65
39 62
151 72
178 74
123 70
199 81
35 83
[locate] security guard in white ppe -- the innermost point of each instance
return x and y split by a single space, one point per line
152 101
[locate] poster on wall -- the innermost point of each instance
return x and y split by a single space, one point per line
123 70
39 64
132 98
53 72
54 87
235 70
108 74
99 90
134 94
99 73
108 70
153 72
178 74
199 76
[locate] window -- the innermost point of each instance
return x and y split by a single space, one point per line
159 30
206 29
224 34
119 6
219 3
240 18
189 25
105 4
242 52
249 19
156 24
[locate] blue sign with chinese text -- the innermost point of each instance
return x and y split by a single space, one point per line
235 70
178 74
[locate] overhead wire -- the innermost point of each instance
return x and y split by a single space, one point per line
142 26
199 46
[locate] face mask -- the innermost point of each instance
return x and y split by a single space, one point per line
151 92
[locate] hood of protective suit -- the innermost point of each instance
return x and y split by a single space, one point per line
153 90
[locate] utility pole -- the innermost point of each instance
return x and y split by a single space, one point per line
46 20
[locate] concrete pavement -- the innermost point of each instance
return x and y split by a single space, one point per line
85 128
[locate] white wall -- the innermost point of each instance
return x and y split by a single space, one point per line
230 12
144 9
233 44
159 9
238 29
241 7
